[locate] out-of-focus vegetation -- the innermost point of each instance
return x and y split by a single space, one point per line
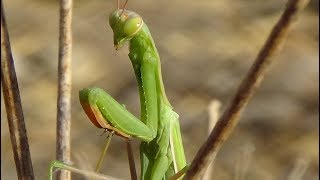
206 47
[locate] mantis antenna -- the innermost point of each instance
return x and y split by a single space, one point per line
124 6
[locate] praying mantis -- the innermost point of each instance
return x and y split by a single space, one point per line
161 151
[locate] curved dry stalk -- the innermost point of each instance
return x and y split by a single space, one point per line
251 82
11 95
57 165
64 87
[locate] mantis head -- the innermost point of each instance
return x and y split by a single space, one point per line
125 25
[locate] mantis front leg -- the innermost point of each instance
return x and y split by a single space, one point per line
156 152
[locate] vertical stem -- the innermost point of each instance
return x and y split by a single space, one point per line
248 86
64 87
132 166
11 95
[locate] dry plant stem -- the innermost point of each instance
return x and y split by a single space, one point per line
132 166
64 87
89 173
231 115
11 94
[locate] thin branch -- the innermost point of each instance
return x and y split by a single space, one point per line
64 87
230 117
11 94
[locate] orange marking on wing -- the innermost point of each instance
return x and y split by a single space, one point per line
98 120
87 108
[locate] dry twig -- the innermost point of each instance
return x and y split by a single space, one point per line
11 94
231 115
64 88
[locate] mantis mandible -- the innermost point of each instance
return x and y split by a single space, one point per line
161 150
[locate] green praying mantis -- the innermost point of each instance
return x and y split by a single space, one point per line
161 151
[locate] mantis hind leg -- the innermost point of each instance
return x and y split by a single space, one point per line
160 167
155 170
180 174
144 160
156 158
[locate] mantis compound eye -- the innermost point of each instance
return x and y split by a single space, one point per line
112 19
132 26
125 25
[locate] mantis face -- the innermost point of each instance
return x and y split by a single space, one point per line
125 24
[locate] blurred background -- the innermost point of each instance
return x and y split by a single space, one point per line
206 47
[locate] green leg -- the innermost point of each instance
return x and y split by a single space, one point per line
159 168
180 173
103 154
144 160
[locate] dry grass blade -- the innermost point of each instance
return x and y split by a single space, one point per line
64 87
231 115
11 94
300 166
214 113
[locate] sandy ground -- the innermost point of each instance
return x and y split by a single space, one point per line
206 47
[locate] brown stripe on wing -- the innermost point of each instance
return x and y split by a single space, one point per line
98 120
